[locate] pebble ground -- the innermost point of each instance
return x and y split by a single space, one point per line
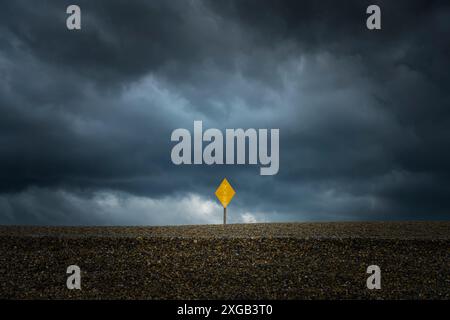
251 261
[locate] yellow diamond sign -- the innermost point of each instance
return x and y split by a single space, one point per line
225 193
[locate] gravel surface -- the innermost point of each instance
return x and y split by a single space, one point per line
252 261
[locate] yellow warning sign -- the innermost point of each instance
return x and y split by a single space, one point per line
225 193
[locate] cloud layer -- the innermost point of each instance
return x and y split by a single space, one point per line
86 119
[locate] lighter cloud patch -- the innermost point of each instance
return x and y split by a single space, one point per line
39 206
107 200
129 209
248 217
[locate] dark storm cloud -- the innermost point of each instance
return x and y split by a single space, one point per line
364 116
120 41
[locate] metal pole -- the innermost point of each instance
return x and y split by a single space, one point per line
225 215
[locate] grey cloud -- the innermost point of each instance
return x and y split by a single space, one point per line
363 116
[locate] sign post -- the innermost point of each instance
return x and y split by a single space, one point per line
225 215
225 193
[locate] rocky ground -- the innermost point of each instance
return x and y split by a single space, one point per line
252 261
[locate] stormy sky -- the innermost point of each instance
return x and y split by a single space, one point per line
86 116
